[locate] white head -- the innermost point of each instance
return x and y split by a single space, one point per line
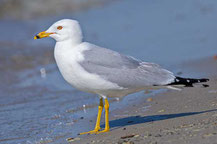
63 30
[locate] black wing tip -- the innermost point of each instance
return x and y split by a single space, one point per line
188 81
204 80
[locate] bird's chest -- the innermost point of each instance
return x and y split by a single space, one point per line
70 69
68 64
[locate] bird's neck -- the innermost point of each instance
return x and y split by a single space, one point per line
68 44
64 48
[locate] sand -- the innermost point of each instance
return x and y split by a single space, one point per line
176 117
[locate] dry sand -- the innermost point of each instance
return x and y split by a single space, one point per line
176 117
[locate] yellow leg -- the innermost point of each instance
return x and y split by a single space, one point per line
106 117
97 127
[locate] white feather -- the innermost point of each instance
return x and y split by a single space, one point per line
67 57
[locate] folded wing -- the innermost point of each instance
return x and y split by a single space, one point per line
123 70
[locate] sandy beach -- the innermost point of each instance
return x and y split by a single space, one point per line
177 117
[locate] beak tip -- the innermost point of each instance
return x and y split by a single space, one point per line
42 35
36 37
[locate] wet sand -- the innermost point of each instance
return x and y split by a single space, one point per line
176 117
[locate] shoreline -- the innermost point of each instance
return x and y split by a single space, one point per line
187 116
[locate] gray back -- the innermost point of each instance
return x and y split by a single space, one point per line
123 70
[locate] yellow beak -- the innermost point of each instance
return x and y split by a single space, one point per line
42 35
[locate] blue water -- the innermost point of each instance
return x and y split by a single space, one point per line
37 107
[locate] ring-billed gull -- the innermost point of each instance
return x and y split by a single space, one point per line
104 72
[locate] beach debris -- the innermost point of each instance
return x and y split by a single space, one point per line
136 136
84 108
125 142
208 135
169 132
149 99
56 116
160 111
128 136
43 72
70 111
213 104
215 57
81 117
158 135
73 139
124 128
147 135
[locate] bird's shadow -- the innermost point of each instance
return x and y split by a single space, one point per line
132 120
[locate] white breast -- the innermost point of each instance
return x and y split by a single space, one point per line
67 59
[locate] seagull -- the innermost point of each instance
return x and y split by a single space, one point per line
104 72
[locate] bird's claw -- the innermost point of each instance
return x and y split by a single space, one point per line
95 131
105 130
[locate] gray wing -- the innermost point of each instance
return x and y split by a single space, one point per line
123 70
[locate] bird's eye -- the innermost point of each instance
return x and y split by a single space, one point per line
59 27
